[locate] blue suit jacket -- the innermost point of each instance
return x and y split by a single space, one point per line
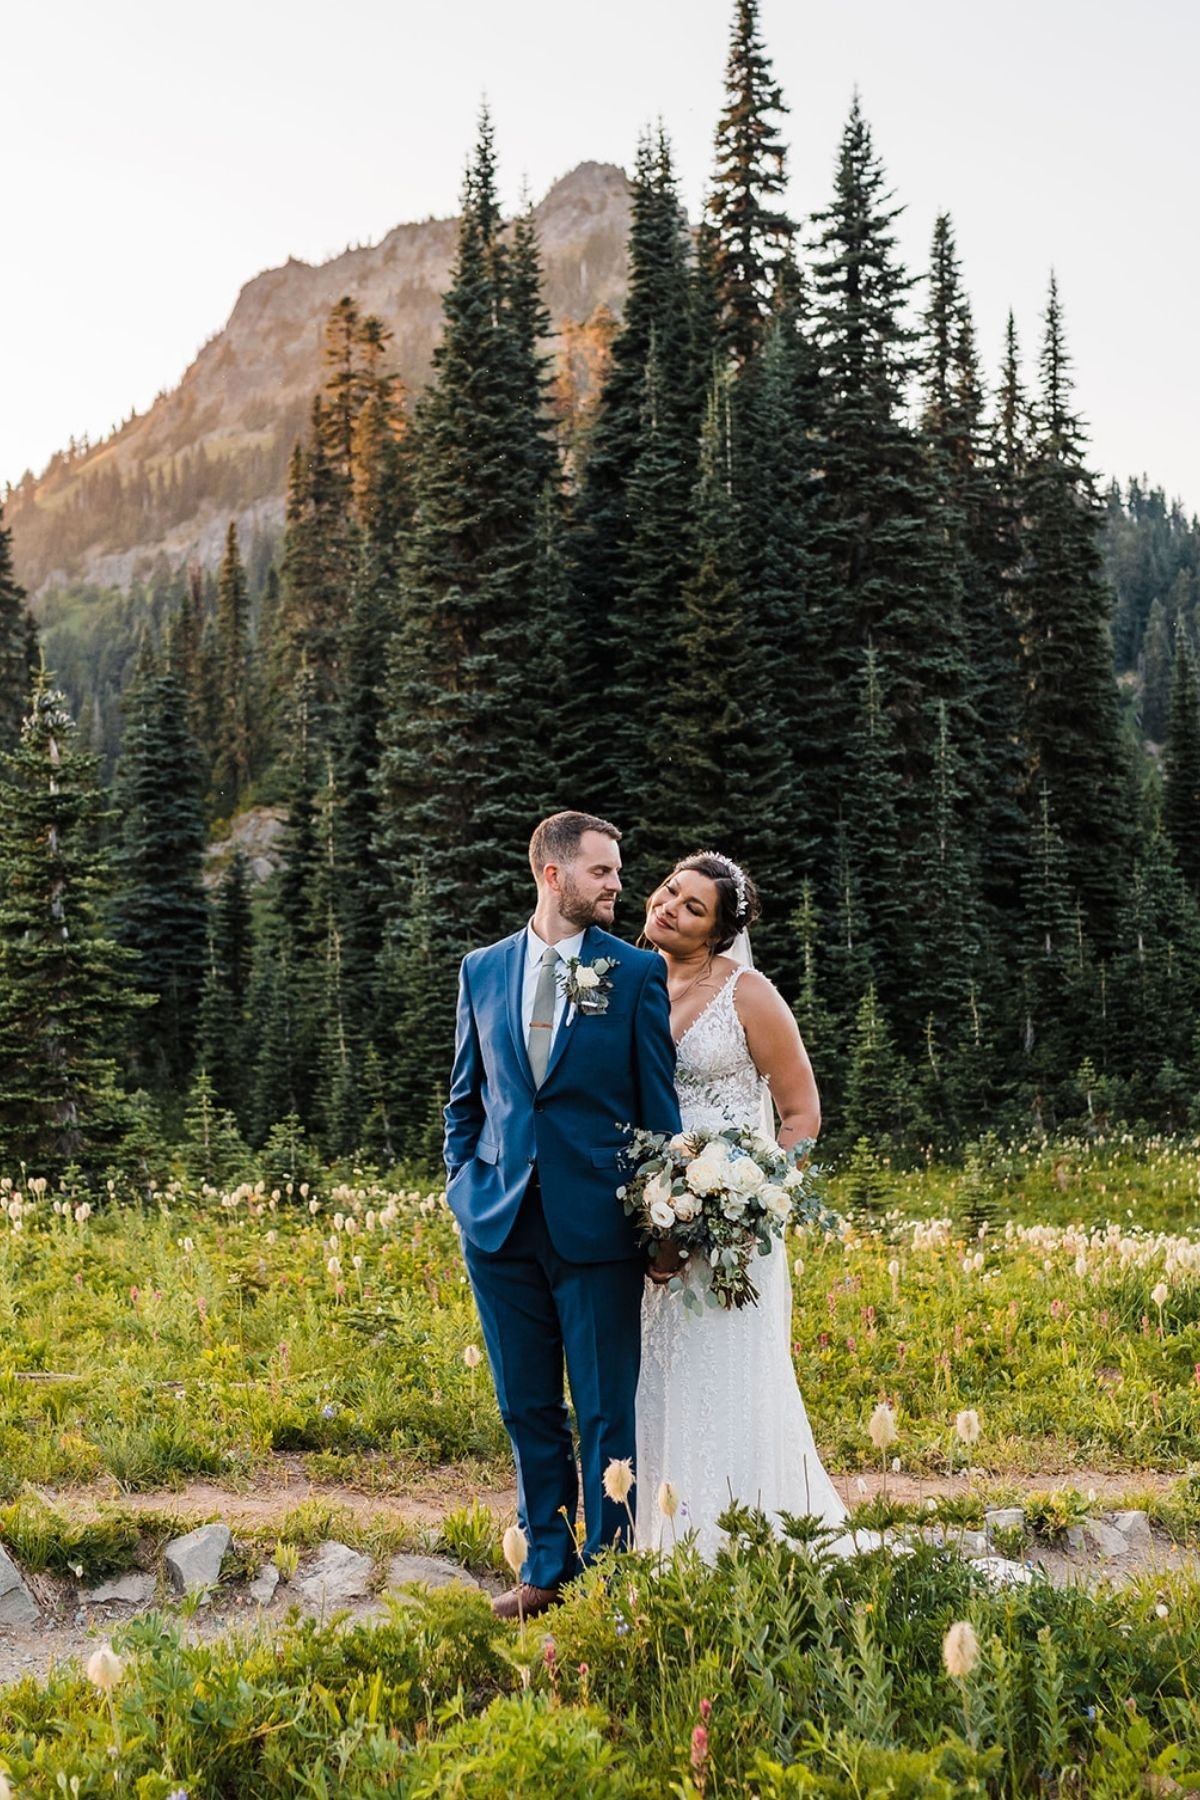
607 1071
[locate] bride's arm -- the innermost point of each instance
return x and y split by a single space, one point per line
774 1041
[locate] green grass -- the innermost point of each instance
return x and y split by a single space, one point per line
776 1673
199 1335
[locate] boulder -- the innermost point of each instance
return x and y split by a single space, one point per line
1004 1518
430 1571
1104 1540
262 1588
132 1589
335 1575
17 1604
1134 1527
193 1563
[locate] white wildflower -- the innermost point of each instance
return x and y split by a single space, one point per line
881 1427
960 1650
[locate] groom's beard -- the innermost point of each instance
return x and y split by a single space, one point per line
578 910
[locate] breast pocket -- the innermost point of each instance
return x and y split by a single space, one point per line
486 1152
608 1156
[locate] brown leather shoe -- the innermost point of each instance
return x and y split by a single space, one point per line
525 1602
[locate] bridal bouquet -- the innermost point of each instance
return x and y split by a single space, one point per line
720 1195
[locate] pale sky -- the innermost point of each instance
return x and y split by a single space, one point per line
154 157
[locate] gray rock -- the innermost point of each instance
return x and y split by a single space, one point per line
17 1604
1002 1572
194 1562
131 1589
1075 1539
1134 1528
969 1543
1004 1518
430 1571
262 1588
1104 1540
336 1574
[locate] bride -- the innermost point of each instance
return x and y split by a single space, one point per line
719 1414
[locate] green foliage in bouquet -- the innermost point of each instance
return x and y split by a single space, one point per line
718 1196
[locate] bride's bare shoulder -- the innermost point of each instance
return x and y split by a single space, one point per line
756 997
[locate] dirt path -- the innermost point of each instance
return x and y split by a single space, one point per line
70 1625
261 1501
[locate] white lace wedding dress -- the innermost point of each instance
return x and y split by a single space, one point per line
719 1413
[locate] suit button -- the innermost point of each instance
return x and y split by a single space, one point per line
539 1106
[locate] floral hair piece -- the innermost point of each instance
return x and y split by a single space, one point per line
738 877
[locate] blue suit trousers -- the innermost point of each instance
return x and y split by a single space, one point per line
537 1310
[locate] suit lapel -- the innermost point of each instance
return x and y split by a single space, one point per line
514 976
570 1018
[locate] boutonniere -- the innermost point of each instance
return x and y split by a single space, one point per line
586 985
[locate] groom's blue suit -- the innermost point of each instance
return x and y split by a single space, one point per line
533 1174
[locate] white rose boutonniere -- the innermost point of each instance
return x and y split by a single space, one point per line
586 985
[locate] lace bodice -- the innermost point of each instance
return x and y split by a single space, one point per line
717 1081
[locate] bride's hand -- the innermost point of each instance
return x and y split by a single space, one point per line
666 1265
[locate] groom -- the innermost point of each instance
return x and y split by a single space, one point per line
563 1041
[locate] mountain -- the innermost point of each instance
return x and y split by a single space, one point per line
165 484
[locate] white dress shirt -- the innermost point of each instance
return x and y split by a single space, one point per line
534 950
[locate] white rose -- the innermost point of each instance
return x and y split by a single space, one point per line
658 1190
681 1146
734 1207
745 1176
708 1171
686 1207
776 1201
586 978
661 1214
794 1178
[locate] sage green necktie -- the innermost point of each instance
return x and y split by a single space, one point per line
541 1024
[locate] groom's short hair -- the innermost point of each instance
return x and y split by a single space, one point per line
557 839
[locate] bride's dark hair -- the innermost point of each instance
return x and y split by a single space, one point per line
737 897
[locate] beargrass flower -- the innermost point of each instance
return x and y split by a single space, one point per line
1160 1294
472 1356
516 1548
105 1668
618 1479
5 1790
668 1499
960 1649
881 1427
967 1425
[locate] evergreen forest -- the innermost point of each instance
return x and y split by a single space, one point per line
812 582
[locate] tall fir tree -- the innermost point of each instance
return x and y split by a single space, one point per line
895 582
384 504
1071 727
776 479
1157 663
972 514
231 767
1181 764
160 910
1155 984
18 645
628 544
223 1036
459 772
64 983
945 973
750 236
1053 1024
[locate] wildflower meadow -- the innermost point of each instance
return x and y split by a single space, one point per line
1025 1325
